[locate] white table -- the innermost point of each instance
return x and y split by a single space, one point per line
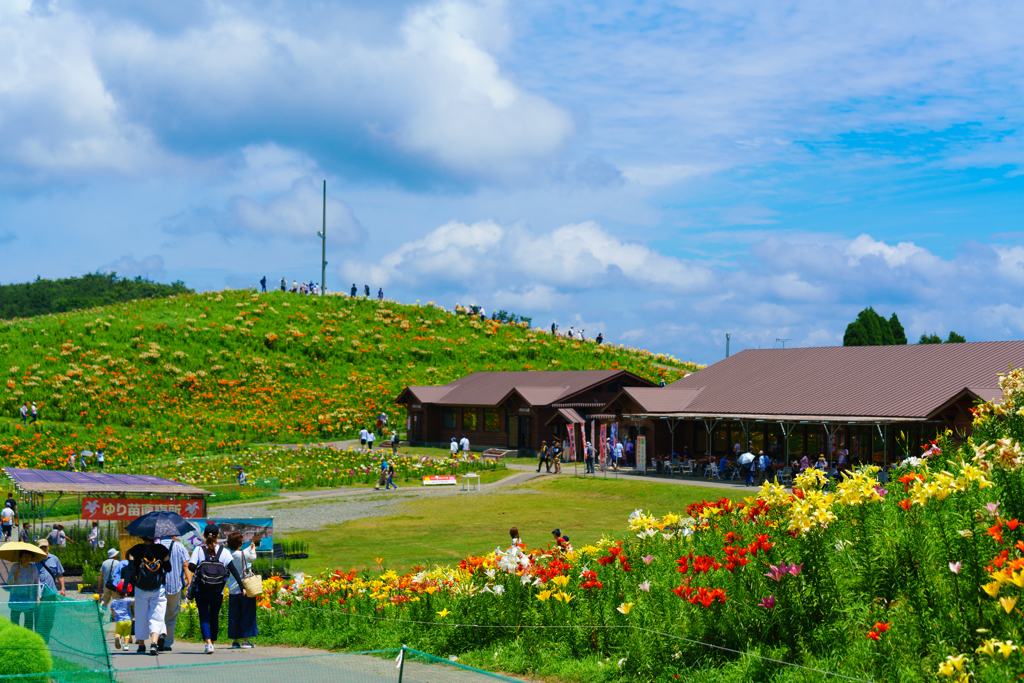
476 481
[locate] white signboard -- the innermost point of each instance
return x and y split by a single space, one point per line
641 454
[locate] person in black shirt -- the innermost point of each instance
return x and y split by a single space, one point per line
11 503
148 564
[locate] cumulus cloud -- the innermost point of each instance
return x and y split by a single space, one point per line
87 87
576 256
296 214
151 267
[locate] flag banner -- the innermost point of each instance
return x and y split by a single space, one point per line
572 440
604 455
615 433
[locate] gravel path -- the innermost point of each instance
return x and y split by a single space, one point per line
311 510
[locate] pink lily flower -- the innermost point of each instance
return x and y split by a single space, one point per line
776 573
647 559
795 569
955 567
768 603
645 586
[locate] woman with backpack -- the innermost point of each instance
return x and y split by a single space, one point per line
148 564
210 565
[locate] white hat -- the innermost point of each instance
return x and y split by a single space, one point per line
112 552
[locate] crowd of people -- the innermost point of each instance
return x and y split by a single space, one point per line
576 335
146 591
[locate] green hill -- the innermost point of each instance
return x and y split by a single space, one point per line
28 299
200 372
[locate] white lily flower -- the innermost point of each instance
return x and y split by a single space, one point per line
668 537
490 574
498 589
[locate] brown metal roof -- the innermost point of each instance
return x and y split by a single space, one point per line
657 400
58 481
424 394
909 381
567 414
541 387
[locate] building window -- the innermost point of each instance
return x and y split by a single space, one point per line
492 420
469 419
448 418
556 429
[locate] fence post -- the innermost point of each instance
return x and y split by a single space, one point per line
401 663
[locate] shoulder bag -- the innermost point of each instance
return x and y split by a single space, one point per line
252 583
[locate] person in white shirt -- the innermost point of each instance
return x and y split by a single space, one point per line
94 535
6 522
369 440
454 447
464 442
362 439
241 608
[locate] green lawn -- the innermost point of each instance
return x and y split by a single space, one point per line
427 531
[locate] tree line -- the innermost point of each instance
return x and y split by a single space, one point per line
872 329
41 297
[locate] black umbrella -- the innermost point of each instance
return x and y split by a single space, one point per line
159 524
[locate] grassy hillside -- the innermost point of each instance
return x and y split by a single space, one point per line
41 297
202 372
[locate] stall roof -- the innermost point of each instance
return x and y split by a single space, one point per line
54 481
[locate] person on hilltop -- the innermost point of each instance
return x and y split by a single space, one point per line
600 338
380 294
454 447
284 285
464 443
554 329
24 412
366 290
263 283
35 413
354 290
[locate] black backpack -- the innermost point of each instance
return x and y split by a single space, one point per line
211 575
149 574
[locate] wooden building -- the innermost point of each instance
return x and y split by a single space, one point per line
515 410
881 403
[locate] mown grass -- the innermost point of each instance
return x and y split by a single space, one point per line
444 530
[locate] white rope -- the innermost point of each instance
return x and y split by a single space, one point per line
608 626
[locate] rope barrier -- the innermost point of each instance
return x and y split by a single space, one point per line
595 626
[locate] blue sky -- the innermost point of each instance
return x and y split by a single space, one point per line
662 172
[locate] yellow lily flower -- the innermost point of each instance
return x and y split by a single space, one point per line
991 588
625 607
443 613
560 581
1006 648
544 595
1008 604
987 648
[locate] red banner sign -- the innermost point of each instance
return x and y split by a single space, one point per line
127 509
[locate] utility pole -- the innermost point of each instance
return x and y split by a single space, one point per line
322 234
783 341
727 344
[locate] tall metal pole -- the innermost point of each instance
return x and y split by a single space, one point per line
727 335
323 242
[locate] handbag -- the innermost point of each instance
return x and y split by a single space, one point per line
252 583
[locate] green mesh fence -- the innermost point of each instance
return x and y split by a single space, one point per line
381 666
71 629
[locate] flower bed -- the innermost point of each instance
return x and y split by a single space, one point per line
908 580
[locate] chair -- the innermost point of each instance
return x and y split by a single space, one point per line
688 467
711 472
786 476
673 470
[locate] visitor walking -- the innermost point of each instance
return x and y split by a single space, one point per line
71 463
764 464
354 290
211 565
617 454
24 412
25 535
588 454
106 572
542 457
241 608
175 589
380 294
94 535
24 601
263 283
394 444
454 448
383 478
100 459
284 286
556 457
600 337
362 439
51 572
366 290
370 436
148 564
35 413
6 522
464 443
391 477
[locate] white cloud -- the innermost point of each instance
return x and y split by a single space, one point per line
574 256
151 267
297 214
865 245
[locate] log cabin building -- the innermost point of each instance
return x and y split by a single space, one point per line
514 410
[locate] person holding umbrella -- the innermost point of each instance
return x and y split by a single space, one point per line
148 564
746 463
22 581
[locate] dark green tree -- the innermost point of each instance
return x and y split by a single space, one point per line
955 338
74 293
869 329
930 339
899 335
